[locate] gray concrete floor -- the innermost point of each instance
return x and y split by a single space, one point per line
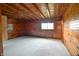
32 46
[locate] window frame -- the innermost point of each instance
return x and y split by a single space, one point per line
47 26
74 25
10 27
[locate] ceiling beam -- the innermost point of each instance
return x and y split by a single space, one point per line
15 10
38 9
26 11
7 11
10 7
9 14
21 11
34 11
30 10
48 10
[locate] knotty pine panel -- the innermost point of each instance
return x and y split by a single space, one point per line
1 45
71 39
17 28
34 29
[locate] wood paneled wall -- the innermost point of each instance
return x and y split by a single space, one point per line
1 48
17 28
70 40
34 29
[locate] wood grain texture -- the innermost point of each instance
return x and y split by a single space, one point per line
26 19
33 10
34 29
17 28
1 45
71 41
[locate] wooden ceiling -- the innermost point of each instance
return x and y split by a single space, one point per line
33 10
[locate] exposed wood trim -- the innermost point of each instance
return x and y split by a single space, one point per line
33 10
48 11
11 11
28 11
65 11
39 9
14 14
30 14
10 7
25 6
68 9
1 44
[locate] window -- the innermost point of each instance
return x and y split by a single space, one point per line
10 27
74 25
47 26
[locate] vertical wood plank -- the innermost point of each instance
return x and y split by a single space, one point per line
1 48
